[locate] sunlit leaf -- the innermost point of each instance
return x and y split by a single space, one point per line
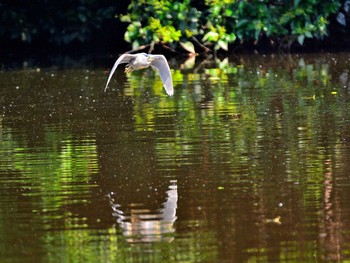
231 37
188 46
125 18
223 44
211 36
135 44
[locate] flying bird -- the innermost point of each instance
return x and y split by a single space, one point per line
143 60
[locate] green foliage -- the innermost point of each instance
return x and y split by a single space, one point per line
220 23
206 24
163 20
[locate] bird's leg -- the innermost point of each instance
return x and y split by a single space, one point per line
128 68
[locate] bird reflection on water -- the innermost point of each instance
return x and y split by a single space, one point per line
145 225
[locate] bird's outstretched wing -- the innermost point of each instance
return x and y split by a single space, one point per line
125 58
160 62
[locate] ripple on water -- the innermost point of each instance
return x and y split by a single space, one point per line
248 161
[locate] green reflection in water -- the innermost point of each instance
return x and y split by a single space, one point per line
107 246
262 125
39 184
60 168
247 140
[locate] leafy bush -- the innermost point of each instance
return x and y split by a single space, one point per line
217 23
161 21
206 24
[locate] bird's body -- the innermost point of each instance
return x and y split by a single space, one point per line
143 60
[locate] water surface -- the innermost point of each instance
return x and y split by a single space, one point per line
248 162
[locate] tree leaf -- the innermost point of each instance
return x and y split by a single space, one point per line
341 19
296 3
308 34
301 39
188 46
125 18
211 36
231 37
223 44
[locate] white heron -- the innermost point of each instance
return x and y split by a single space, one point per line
143 60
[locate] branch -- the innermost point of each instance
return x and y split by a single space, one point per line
200 44
168 48
138 49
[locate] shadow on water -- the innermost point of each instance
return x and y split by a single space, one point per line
247 162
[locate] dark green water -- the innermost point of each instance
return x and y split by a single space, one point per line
249 161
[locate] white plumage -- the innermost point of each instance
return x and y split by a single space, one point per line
143 60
